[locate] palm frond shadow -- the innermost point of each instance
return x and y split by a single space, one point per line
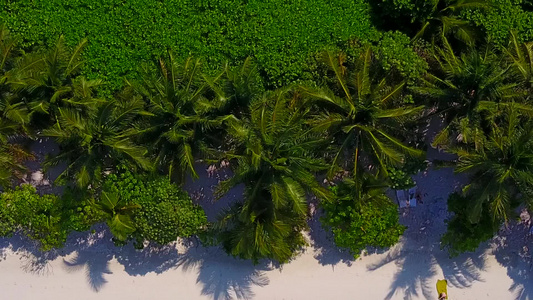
325 250
223 277
513 251
95 267
418 258
416 270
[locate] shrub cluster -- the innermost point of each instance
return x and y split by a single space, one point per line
279 34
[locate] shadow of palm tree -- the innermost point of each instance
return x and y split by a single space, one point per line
223 277
95 267
416 270
92 254
324 247
418 256
513 251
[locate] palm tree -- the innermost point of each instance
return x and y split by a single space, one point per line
117 214
466 89
51 80
14 114
239 86
182 113
521 55
444 18
364 115
274 157
91 145
501 170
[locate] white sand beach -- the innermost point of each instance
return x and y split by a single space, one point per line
91 267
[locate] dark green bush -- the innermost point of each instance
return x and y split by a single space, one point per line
279 34
395 53
38 217
165 211
405 11
371 220
504 16
463 235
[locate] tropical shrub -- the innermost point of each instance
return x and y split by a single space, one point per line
149 209
462 234
279 34
38 217
400 177
428 17
395 52
362 215
502 17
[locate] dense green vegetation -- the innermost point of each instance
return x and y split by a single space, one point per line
279 34
136 92
362 215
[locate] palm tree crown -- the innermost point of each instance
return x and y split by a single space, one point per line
502 169
100 141
363 114
274 155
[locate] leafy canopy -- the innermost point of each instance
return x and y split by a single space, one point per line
361 111
275 159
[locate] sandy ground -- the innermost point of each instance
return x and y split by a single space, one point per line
90 267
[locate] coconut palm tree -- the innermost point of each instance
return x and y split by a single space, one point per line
239 86
179 97
362 114
274 157
14 114
521 55
97 143
467 88
444 19
51 80
502 169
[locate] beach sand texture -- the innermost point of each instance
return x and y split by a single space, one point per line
91 267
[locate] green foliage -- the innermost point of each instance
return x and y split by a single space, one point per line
361 107
38 217
161 213
122 34
400 177
99 141
467 88
500 169
503 17
395 52
402 10
362 215
400 180
462 234
275 158
78 211
180 99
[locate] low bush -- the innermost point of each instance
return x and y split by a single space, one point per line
161 211
503 17
37 217
362 216
463 235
